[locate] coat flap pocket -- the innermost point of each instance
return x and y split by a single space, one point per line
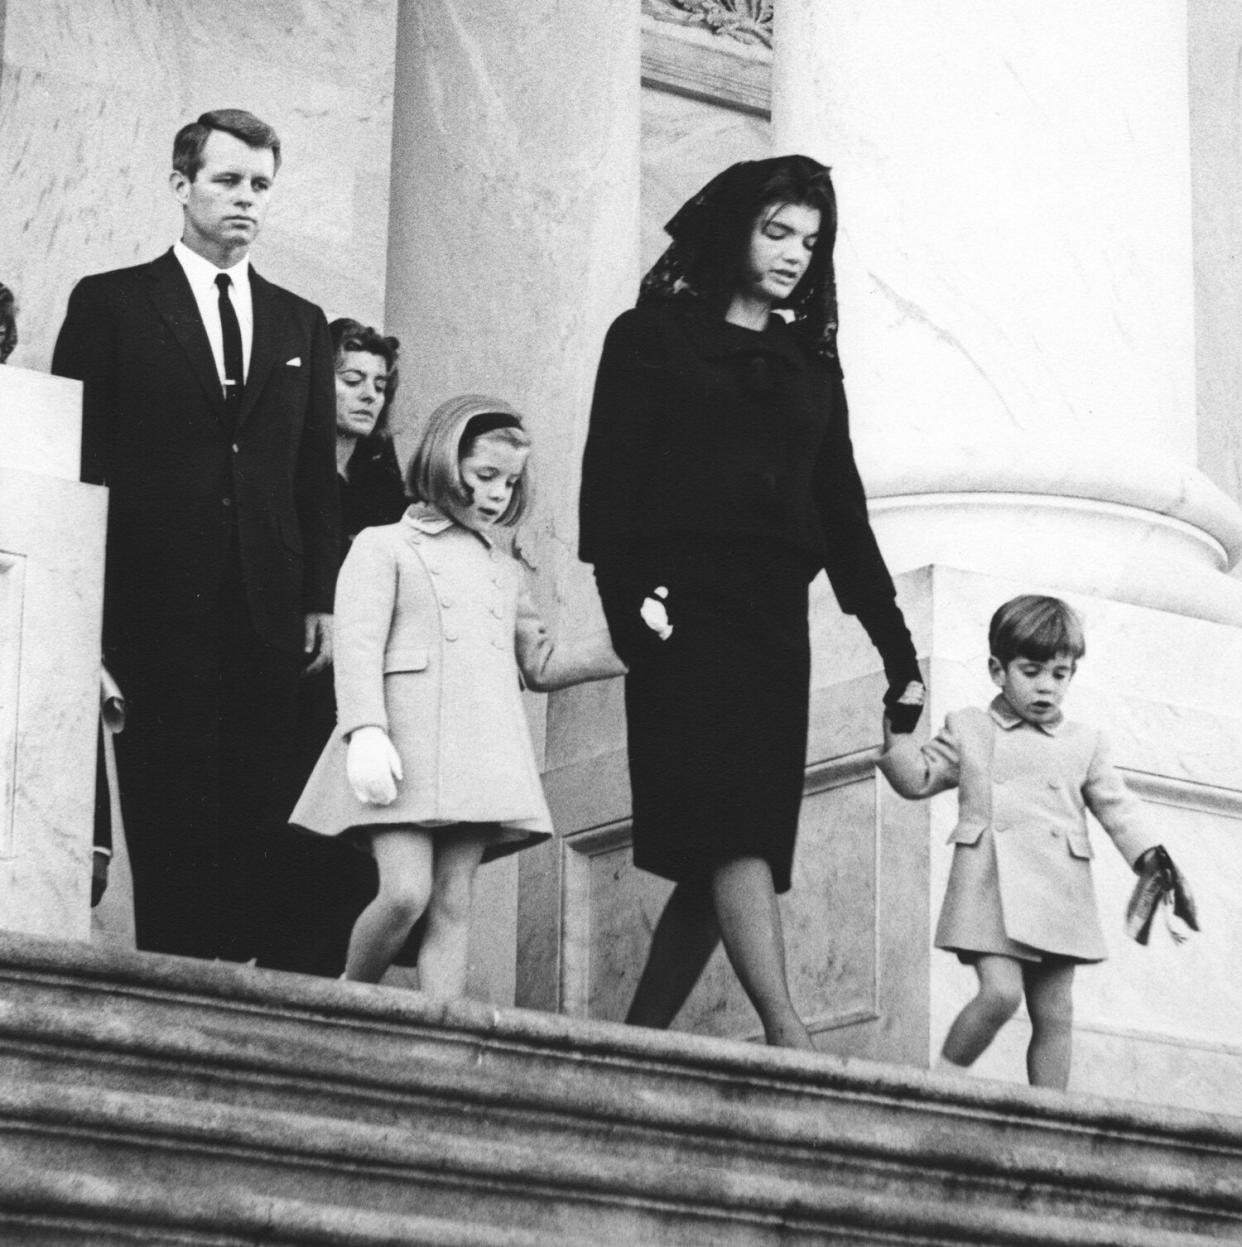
965 833
1079 846
405 660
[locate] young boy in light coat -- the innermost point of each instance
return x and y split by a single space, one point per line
1020 904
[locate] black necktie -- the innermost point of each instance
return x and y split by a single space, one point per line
233 374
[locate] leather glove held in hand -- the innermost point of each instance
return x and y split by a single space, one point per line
373 766
1160 882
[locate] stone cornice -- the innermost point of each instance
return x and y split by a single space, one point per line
690 61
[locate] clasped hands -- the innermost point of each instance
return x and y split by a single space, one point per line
373 766
903 708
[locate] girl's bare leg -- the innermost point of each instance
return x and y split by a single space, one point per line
444 961
750 925
1050 999
404 858
1000 993
684 939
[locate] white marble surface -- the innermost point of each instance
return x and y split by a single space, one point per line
40 423
92 94
1017 284
1215 39
1015 245
51 598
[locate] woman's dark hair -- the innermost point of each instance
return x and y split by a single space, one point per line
8 322
352 335
1036 627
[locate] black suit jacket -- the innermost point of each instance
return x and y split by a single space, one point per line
155 431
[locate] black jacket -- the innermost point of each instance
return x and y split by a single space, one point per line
700 426
183 486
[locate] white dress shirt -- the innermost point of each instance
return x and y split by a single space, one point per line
202 278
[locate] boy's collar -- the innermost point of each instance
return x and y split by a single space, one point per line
1004 715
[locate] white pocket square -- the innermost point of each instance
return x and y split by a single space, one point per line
295 362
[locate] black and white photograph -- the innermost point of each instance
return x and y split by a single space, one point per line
620 623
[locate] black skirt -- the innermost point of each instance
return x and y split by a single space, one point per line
717 714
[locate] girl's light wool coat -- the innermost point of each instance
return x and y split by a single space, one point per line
1023 795
435 635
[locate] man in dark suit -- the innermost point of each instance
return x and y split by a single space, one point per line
209 412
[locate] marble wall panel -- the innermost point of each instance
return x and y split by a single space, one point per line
91 96
1215 38
51 598
830 918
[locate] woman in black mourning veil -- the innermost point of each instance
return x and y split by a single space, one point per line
718 479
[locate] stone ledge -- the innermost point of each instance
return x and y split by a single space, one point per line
335 1098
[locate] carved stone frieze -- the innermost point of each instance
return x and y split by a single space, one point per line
747 21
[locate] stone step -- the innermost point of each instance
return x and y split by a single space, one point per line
156 1100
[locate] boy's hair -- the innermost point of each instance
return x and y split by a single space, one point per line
452 431
1033 626
192 138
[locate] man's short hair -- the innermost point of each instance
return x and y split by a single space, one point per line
191 139
1035 627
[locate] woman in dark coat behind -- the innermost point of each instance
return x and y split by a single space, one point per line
317 887
718 479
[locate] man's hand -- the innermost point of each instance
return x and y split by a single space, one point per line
318 643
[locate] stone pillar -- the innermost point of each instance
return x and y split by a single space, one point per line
51 603
1016 284
513 244
1017 308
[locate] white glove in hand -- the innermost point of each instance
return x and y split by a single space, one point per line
655 613
373 766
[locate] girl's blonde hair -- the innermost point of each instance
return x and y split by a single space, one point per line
453 429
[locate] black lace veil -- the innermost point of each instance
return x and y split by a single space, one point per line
711 231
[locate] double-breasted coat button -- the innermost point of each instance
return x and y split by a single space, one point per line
450 636
446 602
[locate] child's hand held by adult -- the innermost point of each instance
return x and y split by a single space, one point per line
903 708
373 766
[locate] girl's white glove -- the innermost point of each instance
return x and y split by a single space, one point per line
655 613
373 766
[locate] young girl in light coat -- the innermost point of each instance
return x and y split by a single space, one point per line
1020 905
431 764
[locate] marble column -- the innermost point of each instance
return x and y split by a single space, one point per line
513 243
1017 307
1016 280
